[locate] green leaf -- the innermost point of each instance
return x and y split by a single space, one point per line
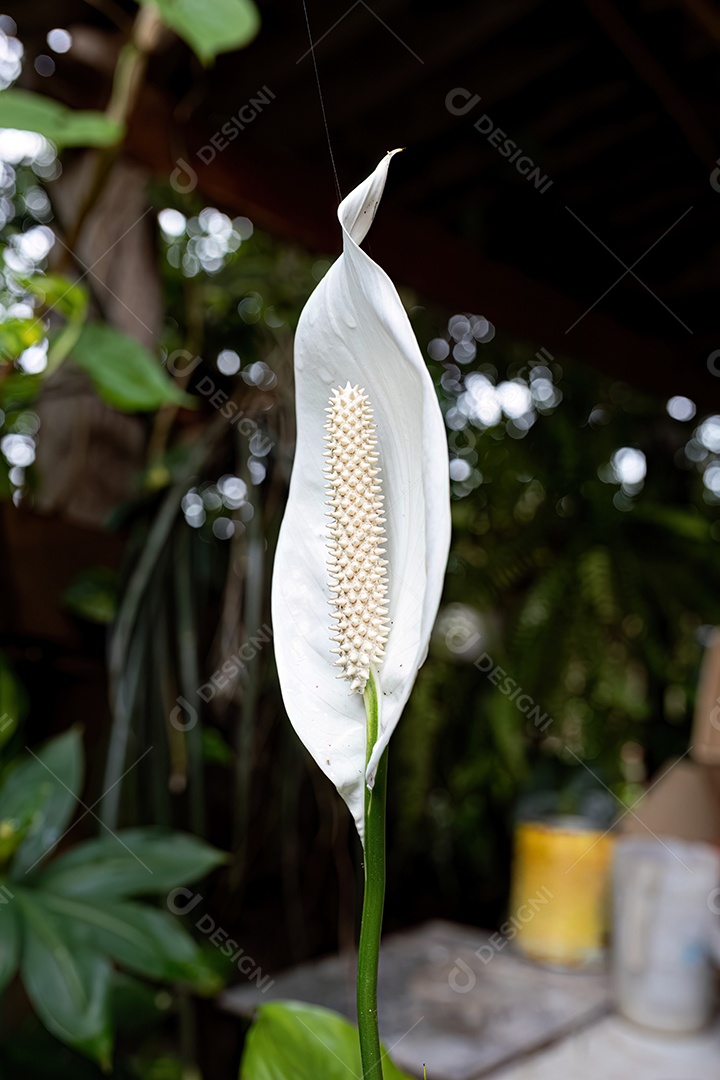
18 389
140 938
210 28
26 111
124 373
17 335
39 796
215 748
130 863
93 595
67 983
290 1039
685 524
13 700
67 298
10 936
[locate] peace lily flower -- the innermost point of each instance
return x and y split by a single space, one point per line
364 542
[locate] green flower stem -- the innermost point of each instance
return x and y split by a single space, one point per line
373 900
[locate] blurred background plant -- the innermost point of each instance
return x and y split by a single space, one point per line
148 407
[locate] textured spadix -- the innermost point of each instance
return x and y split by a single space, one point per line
357 570
355 337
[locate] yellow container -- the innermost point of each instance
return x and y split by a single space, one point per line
559 899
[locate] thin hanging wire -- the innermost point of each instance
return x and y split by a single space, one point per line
322 103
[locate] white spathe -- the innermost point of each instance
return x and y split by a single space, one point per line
354 330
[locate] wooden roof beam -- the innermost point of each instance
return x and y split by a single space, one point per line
650 71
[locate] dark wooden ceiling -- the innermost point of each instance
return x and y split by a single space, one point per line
617 104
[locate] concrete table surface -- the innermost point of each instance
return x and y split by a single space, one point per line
441 1004
614 1049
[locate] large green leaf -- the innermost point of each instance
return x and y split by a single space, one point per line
290 1039
140 938
39 796
130 863
67 983
210 28
26 111
10 936
124 373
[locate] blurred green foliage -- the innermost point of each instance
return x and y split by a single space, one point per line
592 594
594 597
